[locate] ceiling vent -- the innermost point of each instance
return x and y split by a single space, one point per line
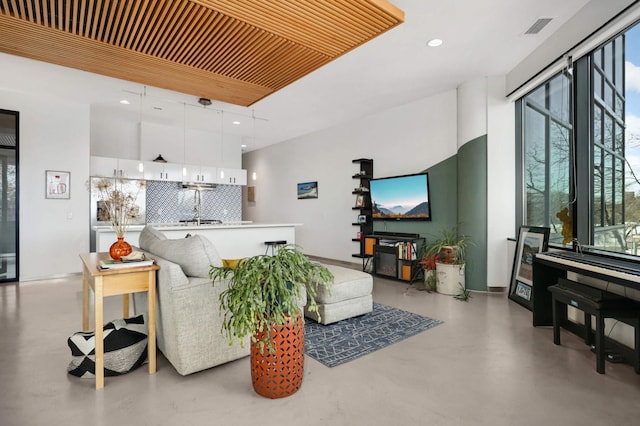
538 25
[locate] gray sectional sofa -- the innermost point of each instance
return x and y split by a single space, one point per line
188 317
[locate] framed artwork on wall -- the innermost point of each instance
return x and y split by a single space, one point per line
57 184
531 240
307 190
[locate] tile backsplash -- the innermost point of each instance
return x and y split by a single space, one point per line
168 202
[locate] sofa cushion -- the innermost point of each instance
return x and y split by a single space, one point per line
148 236
125 348
231 263
195 254
347 284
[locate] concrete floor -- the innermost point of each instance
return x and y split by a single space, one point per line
486 365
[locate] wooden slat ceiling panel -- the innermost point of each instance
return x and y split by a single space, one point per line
239 50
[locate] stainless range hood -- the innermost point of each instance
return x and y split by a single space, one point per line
200 186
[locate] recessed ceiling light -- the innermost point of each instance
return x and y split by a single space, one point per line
243 146
125 102
434 42
236 122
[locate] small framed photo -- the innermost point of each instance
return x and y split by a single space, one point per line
307 190
531 241
57 185
360 200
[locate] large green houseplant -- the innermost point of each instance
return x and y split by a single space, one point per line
448 252
263 300
450 246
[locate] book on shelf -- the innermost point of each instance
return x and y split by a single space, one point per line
118 264
407 251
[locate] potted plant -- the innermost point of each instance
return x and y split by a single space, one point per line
263 301
428 264
450 248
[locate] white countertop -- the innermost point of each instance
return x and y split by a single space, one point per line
185 226
232 240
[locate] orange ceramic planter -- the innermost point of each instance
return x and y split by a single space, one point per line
279 374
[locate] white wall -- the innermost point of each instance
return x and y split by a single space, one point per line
472 110
53 136
406 139
501 174
113 136
402 140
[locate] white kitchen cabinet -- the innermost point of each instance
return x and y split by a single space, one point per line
209 174
130 169
200 174
116 167
232 176
103 166
169 172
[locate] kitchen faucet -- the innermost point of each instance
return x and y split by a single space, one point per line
197 205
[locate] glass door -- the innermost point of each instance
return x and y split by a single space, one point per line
8 196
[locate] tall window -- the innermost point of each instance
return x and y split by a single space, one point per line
588 160
547 153
607 70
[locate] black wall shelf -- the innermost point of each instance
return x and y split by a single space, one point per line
362 206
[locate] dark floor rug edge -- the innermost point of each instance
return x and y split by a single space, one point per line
353 338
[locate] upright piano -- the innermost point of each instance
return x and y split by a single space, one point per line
548 267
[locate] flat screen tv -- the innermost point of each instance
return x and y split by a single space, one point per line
401 197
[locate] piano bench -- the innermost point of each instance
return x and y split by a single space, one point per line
600 304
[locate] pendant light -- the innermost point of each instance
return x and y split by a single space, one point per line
254 175
221 144
184 140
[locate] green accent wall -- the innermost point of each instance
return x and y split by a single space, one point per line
472 208
458 196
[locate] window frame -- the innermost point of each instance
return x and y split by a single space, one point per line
584 145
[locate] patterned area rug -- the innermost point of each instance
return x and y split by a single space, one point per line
346 340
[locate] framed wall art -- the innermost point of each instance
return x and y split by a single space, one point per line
307 190
531 240
57 184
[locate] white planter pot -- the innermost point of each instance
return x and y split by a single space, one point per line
450 278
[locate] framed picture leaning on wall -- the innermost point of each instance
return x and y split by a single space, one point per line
531 240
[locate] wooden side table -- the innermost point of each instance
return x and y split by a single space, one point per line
113 282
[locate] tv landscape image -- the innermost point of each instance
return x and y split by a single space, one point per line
401 197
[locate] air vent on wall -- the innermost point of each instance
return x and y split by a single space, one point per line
538 25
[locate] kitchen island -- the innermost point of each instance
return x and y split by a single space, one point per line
233 241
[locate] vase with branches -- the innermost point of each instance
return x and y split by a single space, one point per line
118 206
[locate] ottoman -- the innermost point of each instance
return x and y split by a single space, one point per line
350 296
